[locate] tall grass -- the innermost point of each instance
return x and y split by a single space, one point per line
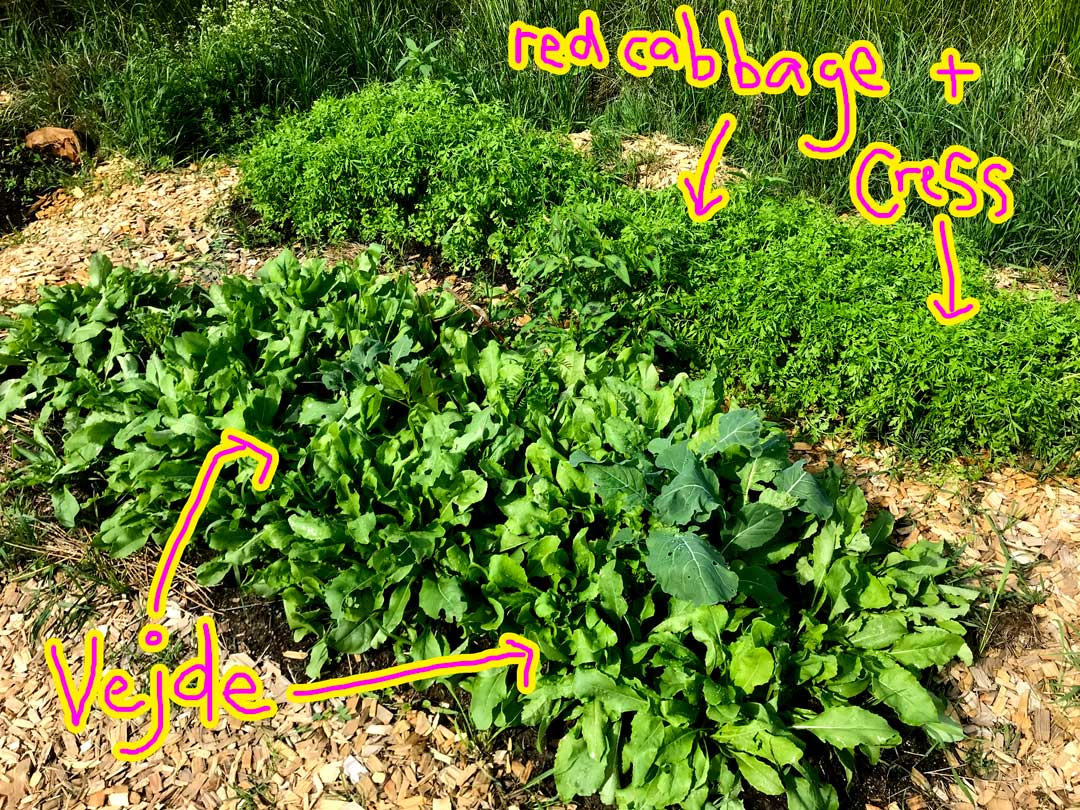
1025 108
172 78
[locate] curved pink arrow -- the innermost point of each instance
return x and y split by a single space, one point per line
702 200
234 445
512 648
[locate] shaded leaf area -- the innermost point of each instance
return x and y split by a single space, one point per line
706 611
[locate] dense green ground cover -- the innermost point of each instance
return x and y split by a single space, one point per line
710 616
173 79
814 317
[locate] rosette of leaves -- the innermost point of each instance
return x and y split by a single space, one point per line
709 614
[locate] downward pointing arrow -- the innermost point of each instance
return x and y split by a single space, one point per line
512 649
702 200
234 445
949 308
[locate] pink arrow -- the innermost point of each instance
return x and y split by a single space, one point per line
234 445
950 307
512 649
702 200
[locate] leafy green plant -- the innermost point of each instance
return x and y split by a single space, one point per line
709 614
816 318
412 163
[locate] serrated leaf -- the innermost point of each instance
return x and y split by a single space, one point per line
443 595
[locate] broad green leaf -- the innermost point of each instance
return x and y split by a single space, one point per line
620 484
801 484
901 691
757 524
443 595
757 471
804 794
577 773
758 774
65 507
617 698
849 726
736 428
489 689
878 630
694 491
507 573
750 666
639 753
310 527
927 647
687 566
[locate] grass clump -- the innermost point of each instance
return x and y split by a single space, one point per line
711 617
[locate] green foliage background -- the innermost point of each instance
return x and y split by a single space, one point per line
707 612
174 79
817 318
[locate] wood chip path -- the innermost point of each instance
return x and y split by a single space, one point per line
359 753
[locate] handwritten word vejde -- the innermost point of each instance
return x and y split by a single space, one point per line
199 681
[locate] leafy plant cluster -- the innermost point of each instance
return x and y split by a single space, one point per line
413 163
711 616
822 320
816 318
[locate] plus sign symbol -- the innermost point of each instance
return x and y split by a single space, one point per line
952 72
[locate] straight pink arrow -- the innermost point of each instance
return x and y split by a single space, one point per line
950 307
702 200
512 650
234 445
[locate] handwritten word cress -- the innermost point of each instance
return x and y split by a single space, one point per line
940 182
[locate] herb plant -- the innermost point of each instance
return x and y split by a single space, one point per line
817 319
710 615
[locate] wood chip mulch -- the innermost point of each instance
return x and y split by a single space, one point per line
360 753
161 220
657 160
